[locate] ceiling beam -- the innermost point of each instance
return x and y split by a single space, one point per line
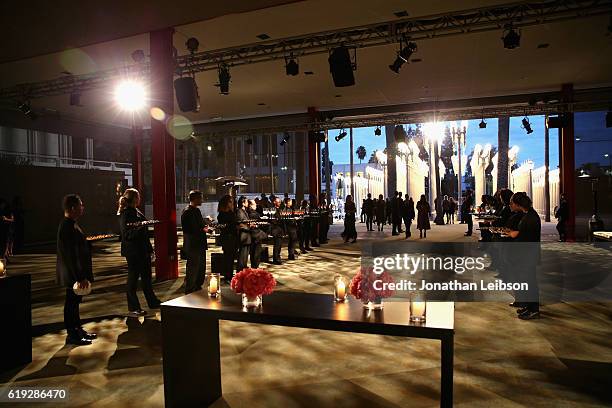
494 18
459 109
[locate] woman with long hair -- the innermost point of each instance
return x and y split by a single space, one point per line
423 216
350 232
137 250
228 234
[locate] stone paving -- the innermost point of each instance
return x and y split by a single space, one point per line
563 359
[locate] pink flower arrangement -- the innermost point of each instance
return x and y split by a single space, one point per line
253 282
362 285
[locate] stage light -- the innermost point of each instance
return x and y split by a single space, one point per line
511 38
377 131
26 109
291 66
224 79
556 122
75 98
138 56
341 135
130 95
341 67
402 57
482 124
192 45
526 125
285 139
209 148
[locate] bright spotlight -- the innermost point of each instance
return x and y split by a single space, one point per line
130 95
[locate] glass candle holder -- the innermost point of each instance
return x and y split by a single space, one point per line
418 310
340 288
213 284
2 269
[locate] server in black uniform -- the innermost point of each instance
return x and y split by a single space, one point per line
258 235
137 250
277 231
244 233
323 219
194 243
73 266
529 230
304 229
368 209
466 208
291 229
228 234
314 220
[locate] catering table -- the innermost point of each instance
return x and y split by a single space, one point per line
603 235
190 334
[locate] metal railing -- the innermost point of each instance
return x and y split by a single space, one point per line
43 160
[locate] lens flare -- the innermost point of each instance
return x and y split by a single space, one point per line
130 95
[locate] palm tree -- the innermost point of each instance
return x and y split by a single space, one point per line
361 153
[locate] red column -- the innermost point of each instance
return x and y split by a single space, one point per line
567 163
162 155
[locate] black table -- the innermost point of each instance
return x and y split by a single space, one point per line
16 321
190 334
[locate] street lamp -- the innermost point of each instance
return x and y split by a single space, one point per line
459 137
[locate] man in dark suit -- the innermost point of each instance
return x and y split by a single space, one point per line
368 209
277 231
466 209
194 243
395 213
73 266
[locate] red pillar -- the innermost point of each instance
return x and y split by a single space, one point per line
162 155
567 163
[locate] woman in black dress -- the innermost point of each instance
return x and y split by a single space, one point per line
137 250
423 216
350 232
228 234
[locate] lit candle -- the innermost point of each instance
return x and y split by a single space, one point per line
213 286
1 268
417 311
341 289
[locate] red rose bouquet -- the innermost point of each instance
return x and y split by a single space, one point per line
253 282
362 285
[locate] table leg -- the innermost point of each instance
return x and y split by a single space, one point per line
191 358
447 350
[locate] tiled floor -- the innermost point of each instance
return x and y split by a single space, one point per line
563 359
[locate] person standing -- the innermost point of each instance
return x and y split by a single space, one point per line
6 222
408 215
304 230
244 233
314 220
395 214
388 210
228 234
529 230
194 243
323 219
277 231
380 213
423 209
362 218
137 250
73 266
562 215
466 209
350 211
258 235
291 228
368 208
446 208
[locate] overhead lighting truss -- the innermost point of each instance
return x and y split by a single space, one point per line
494 18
